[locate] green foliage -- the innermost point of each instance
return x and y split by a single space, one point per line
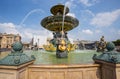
117 42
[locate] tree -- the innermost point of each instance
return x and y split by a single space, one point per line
117 42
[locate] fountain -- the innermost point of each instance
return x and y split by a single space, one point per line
18 65
60 24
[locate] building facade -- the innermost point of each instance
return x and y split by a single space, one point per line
85 44
6 40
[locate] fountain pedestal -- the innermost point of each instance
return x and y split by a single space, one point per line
15 65
15 72
109 70
110 62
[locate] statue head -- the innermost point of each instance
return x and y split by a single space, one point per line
102 38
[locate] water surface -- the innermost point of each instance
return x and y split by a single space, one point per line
74 57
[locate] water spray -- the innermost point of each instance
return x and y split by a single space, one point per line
28 14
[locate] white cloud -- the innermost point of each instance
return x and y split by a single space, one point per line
41 34
26 33
68 4
71 4
105 18
119 32
98 31
88 2
41 40
8 28
87 31
7 25
71 14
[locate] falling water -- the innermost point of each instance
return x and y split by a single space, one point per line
63 19
25 18
31 12
68 3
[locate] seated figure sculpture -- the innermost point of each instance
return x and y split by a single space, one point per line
101 45
62 45
110 55
61 50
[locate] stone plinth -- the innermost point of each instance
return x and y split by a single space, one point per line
109 70
81 71
110 62
14 72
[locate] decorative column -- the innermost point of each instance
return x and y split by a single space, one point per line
110 62
14 66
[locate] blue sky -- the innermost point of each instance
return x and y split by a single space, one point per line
96 17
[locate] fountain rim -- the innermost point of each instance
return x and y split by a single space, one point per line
66 66
68 19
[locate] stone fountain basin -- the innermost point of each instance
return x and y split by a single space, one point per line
74 57
78 65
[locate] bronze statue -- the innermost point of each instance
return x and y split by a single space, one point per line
101 45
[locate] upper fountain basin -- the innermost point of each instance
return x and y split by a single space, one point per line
54 23
59 9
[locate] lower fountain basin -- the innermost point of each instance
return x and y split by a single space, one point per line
75 57
78 65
